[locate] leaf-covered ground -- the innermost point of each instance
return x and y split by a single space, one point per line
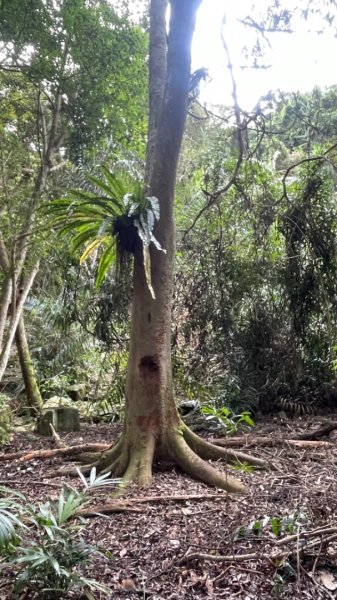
286 524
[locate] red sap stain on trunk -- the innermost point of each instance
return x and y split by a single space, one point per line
146 422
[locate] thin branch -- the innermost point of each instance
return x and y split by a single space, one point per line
240 127
222 558
250 22
321 158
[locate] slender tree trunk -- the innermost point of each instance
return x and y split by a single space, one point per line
5 300
16 316
152 425
16 327
34 398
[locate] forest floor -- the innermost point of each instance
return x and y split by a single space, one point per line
150 548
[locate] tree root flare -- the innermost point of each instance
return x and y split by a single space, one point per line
111 456
198 468
209 451
132 458
140 464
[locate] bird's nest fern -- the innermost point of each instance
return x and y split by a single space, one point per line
109 220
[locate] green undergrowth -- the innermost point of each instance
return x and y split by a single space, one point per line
5 419
44 544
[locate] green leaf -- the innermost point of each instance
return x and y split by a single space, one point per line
55 564
246 418
240 533
115 184
90 249
208 410
107 223
275 523
68 505
107 258
101 186
86 233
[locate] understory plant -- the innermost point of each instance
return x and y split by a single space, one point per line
9 521
5 419
227 419
44 542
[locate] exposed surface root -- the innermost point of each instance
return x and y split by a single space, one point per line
198 468
139 468
209 451
132 458
111 455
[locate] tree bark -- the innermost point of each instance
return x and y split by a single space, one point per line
5 300
16 316
152 425
16 328
34 399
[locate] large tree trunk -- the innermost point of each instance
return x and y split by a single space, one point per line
152 425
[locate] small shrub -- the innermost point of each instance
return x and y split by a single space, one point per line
9 522
47 558
273 526
227 419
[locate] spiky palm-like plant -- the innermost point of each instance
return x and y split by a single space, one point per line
108 217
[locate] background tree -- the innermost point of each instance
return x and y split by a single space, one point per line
60 59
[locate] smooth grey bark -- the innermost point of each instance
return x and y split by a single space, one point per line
149 392
16 316
152 426
157 70
5 300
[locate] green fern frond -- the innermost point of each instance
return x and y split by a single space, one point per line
105 212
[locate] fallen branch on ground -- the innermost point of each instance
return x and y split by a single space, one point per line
307 439
130 503
180 497
58 442
299 547
224 558
24 456
113 508
317 433
305 535
238 441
